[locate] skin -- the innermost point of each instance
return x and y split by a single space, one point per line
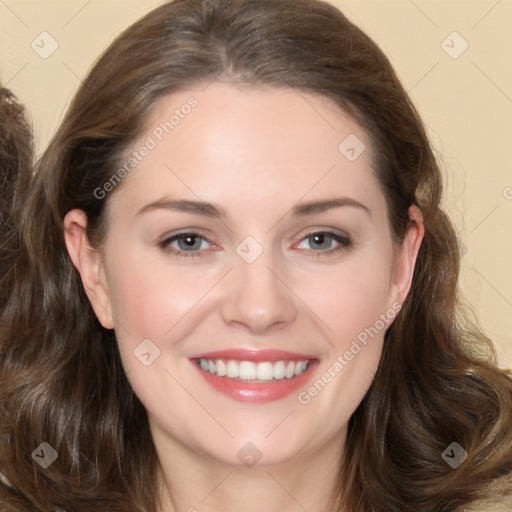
254 152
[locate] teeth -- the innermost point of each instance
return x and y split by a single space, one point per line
279 370
300 367
221 368
265 371
248 370
231 369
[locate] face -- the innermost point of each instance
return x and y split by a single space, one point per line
248 271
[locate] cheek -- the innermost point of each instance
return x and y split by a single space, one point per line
353 304
349 298
149 298
154 302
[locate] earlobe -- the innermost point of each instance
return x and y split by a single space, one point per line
88 261
407 254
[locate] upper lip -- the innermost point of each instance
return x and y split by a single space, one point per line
255 355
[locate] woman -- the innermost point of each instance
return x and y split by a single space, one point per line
235 288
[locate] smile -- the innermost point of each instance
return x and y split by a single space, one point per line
258 376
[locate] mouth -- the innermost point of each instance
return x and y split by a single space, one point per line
255 375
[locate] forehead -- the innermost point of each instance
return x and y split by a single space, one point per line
249 144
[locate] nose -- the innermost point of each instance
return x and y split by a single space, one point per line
256 297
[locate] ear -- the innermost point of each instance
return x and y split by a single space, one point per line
88 261
406 255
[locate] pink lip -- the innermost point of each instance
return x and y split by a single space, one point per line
256 392
256 356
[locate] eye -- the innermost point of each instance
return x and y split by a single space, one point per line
185 244
190 244
325 242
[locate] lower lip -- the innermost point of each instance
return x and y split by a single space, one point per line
254 392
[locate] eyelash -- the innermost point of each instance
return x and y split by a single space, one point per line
344 244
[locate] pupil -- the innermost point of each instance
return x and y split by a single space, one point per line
188 242
321 240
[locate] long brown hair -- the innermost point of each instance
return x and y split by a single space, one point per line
16 153
61 377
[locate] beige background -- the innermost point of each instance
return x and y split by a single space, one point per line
466 103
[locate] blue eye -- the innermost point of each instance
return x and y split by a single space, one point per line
324 242
188 244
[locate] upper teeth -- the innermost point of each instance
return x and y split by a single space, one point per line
248 370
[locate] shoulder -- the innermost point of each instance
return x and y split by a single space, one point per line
499 497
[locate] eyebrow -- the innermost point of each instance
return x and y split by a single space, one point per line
321 206
216 212
184 205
